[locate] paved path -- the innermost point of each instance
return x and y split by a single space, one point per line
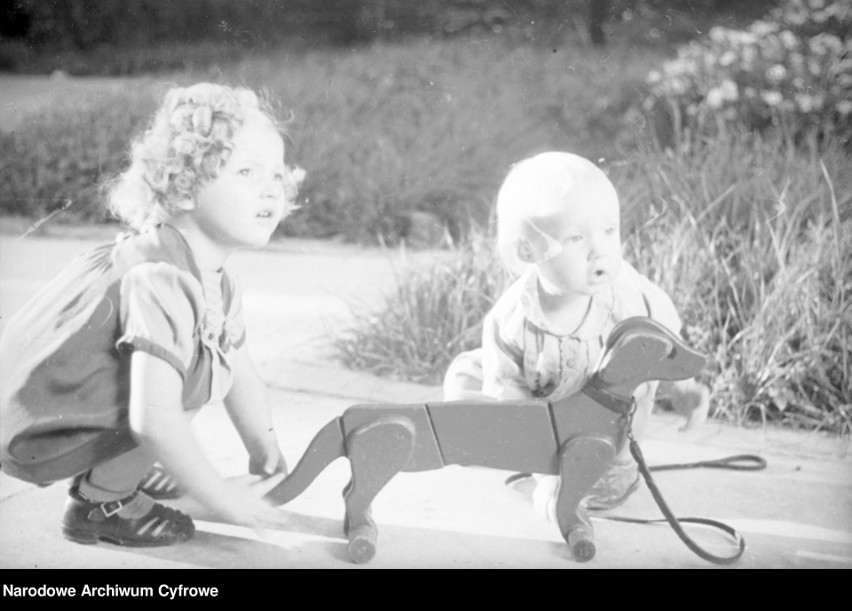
795 514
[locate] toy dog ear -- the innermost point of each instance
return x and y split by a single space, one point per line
536 246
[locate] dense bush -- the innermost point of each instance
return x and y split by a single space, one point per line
386 134
56 159
792 71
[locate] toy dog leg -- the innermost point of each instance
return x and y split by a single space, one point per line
583 460
377 451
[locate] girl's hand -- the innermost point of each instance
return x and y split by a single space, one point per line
240 505
691 400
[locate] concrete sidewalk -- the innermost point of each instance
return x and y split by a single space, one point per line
795 514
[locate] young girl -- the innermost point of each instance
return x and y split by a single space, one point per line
558 229
104 368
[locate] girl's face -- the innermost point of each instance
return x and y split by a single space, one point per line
590 236
243 205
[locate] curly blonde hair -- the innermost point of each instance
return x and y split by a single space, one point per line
188 140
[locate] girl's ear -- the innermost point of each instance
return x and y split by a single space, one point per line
185 205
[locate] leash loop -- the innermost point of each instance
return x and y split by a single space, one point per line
745 462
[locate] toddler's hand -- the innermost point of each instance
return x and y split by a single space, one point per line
691 400
544 496
267 466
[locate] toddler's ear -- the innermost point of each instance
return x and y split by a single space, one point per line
535 246
185 205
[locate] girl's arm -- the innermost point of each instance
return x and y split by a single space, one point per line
248 406
158 419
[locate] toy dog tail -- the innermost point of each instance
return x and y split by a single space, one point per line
326 447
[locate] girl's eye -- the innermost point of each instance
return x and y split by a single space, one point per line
248 172
279 177
610 230
574 238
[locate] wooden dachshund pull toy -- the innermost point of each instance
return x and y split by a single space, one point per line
575 436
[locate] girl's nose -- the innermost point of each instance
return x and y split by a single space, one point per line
272 187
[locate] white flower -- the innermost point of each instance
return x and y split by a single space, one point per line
715 98
776 73
730 92
817 4
844 107
718 34
749 55
654 77
806 102
772 98
762 28
728 58
788 39
814 67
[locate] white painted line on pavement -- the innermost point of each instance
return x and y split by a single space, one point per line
791 529
826 557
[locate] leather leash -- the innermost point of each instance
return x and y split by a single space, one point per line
742 462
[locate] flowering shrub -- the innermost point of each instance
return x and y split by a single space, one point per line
793 70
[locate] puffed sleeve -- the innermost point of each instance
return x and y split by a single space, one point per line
660 305
161 309
235 326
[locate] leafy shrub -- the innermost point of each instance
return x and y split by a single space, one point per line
792 71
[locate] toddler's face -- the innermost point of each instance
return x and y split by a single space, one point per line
589 233
243 205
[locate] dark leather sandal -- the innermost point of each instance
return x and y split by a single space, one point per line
87 522
159 485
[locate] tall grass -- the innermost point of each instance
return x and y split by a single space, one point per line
752 239
429 318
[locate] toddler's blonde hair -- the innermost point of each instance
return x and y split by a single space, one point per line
535 190
187 142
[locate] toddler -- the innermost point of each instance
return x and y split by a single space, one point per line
558 229
103 369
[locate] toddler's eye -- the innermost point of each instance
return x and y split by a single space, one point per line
279 176
247 172
574 238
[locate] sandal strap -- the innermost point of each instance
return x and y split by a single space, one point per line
111 508
108 508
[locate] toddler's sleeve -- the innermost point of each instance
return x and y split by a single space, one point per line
660 306
502 361
161 308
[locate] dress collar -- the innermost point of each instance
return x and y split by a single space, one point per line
594 323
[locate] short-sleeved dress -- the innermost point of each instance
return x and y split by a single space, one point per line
65 357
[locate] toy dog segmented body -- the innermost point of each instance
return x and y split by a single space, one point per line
575 436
